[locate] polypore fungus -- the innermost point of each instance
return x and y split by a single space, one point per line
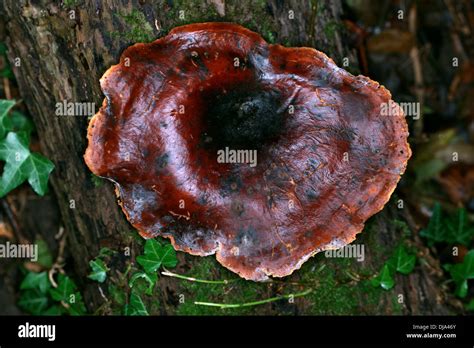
261 154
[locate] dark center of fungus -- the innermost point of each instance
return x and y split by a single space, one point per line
243 119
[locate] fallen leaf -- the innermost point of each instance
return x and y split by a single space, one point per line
391 41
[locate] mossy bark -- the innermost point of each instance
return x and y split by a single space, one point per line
64 48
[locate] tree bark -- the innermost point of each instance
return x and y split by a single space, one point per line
64 49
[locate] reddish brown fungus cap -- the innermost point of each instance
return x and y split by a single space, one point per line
328 158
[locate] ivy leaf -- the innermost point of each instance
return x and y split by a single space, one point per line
13 121
33 301
22 165
458 227
7 70
5 121
45 258
38 281
65 289
470 305
462 272
384 279
135 306
54 310
76 304
434 232
401 261
21 123
67 293
151 279
156 255
103 252
454 230
99 270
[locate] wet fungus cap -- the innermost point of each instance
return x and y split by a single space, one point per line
327 159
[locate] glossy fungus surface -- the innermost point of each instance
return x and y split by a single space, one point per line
319 153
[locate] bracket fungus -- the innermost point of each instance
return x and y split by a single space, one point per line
327 158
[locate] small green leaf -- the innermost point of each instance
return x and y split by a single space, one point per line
470 305
99 270
462 272
38 281
22 165
455 229
5 121
106 252
3 49
135 306
67 293
384 279
45 258
76 304
21 123
435 232
54 310
156 255
65 289
33 301
401 261
7 70
459 230
151 279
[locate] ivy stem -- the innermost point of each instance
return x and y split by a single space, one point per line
254 303
192 279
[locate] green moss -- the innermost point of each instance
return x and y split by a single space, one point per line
139 29
117 297
70 3
260 22
397 308
330 29
96 180
329 298
369 237
335 292
402 226
341 286
236 291
185 12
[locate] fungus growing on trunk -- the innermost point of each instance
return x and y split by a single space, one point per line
185 115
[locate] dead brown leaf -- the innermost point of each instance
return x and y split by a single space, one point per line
391 41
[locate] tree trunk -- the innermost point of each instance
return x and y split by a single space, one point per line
64 49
